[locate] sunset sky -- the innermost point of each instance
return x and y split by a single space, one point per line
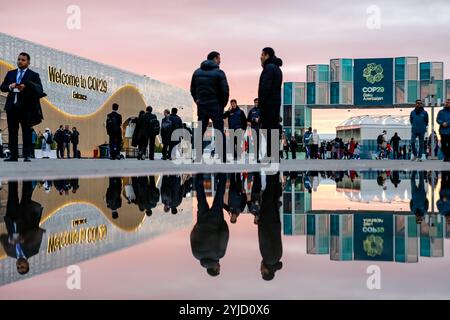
167 40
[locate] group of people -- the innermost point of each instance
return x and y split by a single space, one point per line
64 140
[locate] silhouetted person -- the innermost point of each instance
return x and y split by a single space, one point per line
22 223
67 136
237 199
210 91
152 129
419 202
236 120
293 145
419 123
395 178
75 138
177 123
443 118
209 237
171 193
166 131
254 119
59 139
269 93
139 138
269 227
395 143
114 130
147 194
113 196
22 106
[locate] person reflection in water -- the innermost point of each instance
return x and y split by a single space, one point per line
147 194
113 198
254 205
237 199
443 204
209 237
269 226
419 201
22 223
173 189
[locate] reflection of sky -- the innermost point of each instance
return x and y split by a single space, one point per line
164 268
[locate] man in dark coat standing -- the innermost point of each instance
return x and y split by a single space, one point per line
22 106
152 129
269 94
75 138
177 123
210 91
166 131
114 130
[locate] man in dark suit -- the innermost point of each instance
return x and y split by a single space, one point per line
177 123
22 106
114 130
22 222
152 128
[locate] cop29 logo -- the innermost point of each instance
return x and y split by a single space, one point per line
373 73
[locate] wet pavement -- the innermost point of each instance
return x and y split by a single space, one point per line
375 234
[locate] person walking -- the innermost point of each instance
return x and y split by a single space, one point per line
293 145
114 131
47 141
395 144
34 137
22 106
381 145
166 132
285 142
307 142
443 119
419 123
269 94
75 138
210 91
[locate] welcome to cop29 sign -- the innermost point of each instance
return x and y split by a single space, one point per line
373 82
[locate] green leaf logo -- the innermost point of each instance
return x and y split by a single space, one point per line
373 73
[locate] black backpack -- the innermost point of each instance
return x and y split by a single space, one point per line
154 126
380 139
49 139
166 126
111 125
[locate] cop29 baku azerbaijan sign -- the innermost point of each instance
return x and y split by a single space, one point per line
373 237
373 82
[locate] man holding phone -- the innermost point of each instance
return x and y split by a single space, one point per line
22 106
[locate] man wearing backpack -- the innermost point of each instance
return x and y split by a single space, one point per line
381 145
177 123
114 130
152 128
166 126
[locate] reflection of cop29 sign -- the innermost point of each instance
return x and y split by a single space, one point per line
373 237
373 82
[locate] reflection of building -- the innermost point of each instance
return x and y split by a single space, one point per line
406 239
296 202
317 234
341 237
81 92
432 236
78 227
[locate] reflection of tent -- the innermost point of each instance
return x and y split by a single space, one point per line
370 191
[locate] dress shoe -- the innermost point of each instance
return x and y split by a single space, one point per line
11 160
27 159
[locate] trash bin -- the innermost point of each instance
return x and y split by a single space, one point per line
104 151
95 153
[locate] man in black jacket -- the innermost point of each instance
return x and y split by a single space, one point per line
114 130
152 127
210 91
166 131
236 120
177 123
75 138
59 139
269 93
24 89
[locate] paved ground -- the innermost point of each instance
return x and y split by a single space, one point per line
52 168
